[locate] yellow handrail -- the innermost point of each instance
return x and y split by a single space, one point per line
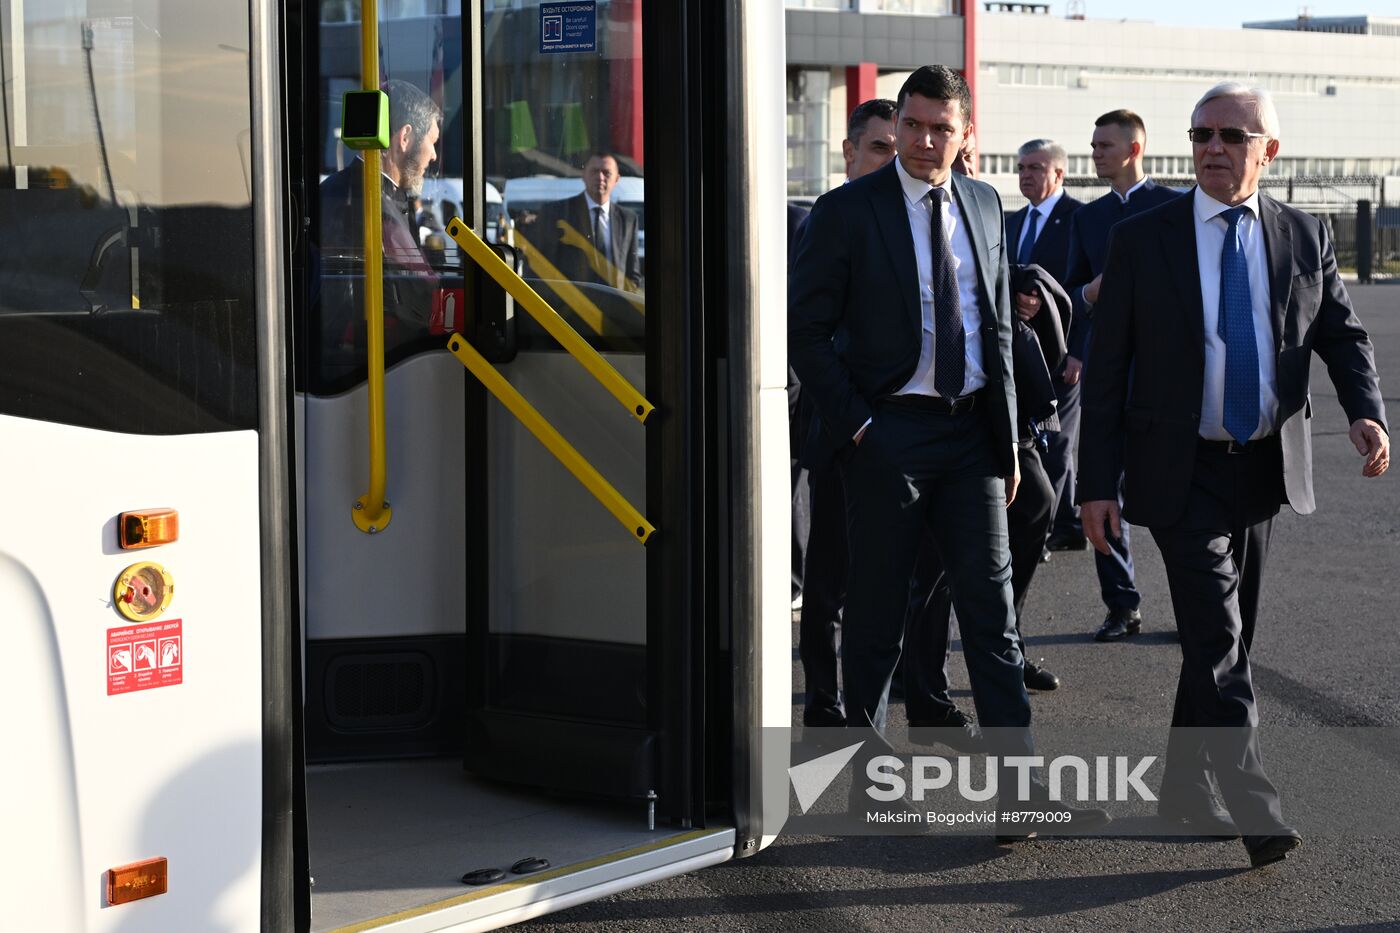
601 265
578 302
371 512
554 442
550 320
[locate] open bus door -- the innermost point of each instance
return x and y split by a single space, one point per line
532 652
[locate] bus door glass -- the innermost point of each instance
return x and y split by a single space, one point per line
564 702
384 612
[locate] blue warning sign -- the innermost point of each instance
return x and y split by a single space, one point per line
569 27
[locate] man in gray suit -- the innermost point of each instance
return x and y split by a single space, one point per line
1209 312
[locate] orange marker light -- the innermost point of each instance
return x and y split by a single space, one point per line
135 881
147 528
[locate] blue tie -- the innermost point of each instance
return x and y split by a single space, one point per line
1236 328
1023 257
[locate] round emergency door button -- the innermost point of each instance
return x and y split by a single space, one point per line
143 591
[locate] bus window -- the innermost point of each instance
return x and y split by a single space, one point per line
564 132
421 266
125 217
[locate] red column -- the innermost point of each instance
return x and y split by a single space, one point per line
860 85
970 51
625 79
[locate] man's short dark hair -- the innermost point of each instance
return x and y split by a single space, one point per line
1129 122
938 82
600 154
409 105
865 111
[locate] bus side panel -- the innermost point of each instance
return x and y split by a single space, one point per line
171 771
407 579
39 808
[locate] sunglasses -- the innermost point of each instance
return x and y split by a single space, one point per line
1229 135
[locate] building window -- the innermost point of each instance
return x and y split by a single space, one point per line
808 122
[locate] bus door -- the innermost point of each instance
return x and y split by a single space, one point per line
506 659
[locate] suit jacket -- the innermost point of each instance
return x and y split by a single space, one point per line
1051 246
1149 321
1038 349
623 248
854 316
1088 248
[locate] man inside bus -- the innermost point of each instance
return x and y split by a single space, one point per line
589 237
409 282
899 324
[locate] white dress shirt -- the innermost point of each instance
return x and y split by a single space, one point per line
1129 193
1210 241
1044 208
917 205
604 222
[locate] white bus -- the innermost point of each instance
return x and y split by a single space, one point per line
247 694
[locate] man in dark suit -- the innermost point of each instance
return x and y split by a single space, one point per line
1209 311
1038 234
799 415
414 121
900 328
868 146
599 243
1118 143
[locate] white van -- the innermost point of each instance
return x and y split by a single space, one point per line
437 190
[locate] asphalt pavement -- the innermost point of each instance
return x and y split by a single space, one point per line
1326 654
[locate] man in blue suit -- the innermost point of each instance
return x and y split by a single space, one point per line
1119 138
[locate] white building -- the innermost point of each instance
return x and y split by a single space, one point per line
1338 92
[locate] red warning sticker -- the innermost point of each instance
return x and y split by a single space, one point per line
143 657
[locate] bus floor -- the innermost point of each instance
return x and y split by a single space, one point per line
392 836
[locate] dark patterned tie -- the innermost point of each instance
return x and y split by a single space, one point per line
1236 328
949 346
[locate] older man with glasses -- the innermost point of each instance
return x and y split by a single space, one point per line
1210 309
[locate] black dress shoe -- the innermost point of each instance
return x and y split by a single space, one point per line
1066 541
1203 818
1119 624
1265 850
954 730
1020 821
1038 678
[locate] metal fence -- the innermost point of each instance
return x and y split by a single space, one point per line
1340 201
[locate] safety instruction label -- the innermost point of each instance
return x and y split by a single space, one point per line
146 656
569 27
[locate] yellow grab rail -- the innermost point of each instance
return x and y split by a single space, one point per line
577 301
601 265
554 442
550 320
371 512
